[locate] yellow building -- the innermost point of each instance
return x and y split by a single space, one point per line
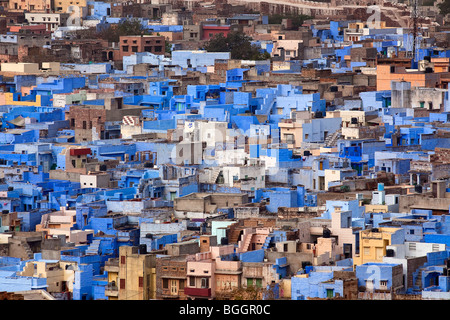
373 243
9 100
137 274
112 289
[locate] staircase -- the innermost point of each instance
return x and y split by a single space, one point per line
267 241
244 244
418 283
28 250
234 236
266 107
331 140
93 249
214 174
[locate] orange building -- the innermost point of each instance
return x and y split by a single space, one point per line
441 64
388 73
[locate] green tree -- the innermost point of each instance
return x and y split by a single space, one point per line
217 44
297 19
238 44
129 27
168 47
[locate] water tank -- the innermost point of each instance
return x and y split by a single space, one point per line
326 233
142 249
381 187
390 253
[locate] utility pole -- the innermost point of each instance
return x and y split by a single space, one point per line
415 14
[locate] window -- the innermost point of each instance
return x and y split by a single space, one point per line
122 283
181 284
330 293
141 282
125 48
205 282
191 281
122 260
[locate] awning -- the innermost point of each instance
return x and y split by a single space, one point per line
18 122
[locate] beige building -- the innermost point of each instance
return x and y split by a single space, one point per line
51 20
137 274
30 5
60 275
61 223
286 48
291 133
131 125
337 175
95 179
20 67
201 205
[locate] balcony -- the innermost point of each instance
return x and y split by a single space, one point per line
198 292
111 290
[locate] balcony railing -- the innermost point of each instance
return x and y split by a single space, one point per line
198 292
111 290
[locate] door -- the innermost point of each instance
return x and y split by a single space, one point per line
330 293
174 287
347 250
379 253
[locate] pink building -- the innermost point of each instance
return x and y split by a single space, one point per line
206 273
